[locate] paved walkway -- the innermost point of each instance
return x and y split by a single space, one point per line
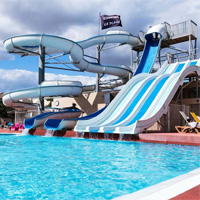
193 194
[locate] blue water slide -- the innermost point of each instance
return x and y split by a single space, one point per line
151 49
55 124
38 120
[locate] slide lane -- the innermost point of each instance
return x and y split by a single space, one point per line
161 102
150 52
59 124
40 119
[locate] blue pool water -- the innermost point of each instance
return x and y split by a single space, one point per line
59 168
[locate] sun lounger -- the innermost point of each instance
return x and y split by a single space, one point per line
195 117
190 127
21 128
187 129
15 127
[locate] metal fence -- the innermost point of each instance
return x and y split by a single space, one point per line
184 28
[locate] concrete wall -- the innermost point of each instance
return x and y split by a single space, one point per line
173 118
194 104
89 103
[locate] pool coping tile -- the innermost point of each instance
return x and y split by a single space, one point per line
167 189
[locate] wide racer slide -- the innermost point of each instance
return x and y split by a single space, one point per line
149 103
40 119
59 124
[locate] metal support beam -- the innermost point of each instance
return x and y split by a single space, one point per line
167 121
98 61
189 57
181 102
137 61
159 59
132 60
41 77
197 86
41 64
195 49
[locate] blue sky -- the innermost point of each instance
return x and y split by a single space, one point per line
78 20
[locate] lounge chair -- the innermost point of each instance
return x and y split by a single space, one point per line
15 127
21 128
190 126
10 124
196 118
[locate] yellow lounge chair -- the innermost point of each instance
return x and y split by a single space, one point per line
195 117
190 127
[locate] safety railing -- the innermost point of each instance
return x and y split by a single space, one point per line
184 28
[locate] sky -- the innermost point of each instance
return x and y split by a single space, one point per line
79 20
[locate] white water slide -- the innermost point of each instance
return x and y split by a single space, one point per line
142 101
53 44
29 44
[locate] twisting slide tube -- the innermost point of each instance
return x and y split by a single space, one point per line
53 44
29 45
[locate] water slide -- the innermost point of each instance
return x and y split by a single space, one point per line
40 119
59 124
154 37
29 44
146 98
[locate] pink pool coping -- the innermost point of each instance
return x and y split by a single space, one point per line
164 138
171 138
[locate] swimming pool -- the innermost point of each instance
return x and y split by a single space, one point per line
34 167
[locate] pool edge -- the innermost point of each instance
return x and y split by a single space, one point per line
166 189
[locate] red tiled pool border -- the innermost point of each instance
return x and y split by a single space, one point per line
164 138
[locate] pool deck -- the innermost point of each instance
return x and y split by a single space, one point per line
185 187
164 138
171 138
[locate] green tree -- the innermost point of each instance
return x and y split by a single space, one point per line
4 110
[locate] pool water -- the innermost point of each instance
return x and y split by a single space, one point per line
33 167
